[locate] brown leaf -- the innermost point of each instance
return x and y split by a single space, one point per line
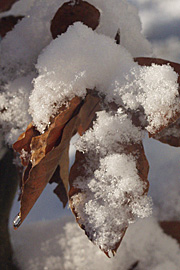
79 170
8 23
43 169
60 190
6 4
170 135
38 144
71 12
24 141
61 177
25 138
118 37
171 228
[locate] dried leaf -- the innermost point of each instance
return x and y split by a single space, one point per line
41 172
60 190
170 135
6 4
71 12
25 138
118 37
38 144
171 228
79 170
61 177
22 145
8 23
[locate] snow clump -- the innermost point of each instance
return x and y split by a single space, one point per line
81 59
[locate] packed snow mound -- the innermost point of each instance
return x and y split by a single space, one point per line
81 59
20 48
66 248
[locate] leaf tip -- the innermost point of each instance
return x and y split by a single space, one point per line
17 221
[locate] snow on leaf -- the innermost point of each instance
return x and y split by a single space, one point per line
170 134
172 111
106 200
71 12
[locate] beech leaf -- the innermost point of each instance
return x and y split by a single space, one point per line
8 23
78 197
6 4
70 12
39 172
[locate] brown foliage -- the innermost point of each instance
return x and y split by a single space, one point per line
79 170
70 12
6 4
171 228
8 23
43 164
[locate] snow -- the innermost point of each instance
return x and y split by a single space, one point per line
20 49
14 104
62 245
105 66
109 131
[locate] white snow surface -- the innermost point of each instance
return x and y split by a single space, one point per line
62 245
81 59
20 48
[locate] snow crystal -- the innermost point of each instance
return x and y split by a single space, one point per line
111 200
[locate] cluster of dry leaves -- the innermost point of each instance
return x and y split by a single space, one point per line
46 156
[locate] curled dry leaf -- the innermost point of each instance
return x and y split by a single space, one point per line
43 169
8 23
6 4
71 12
